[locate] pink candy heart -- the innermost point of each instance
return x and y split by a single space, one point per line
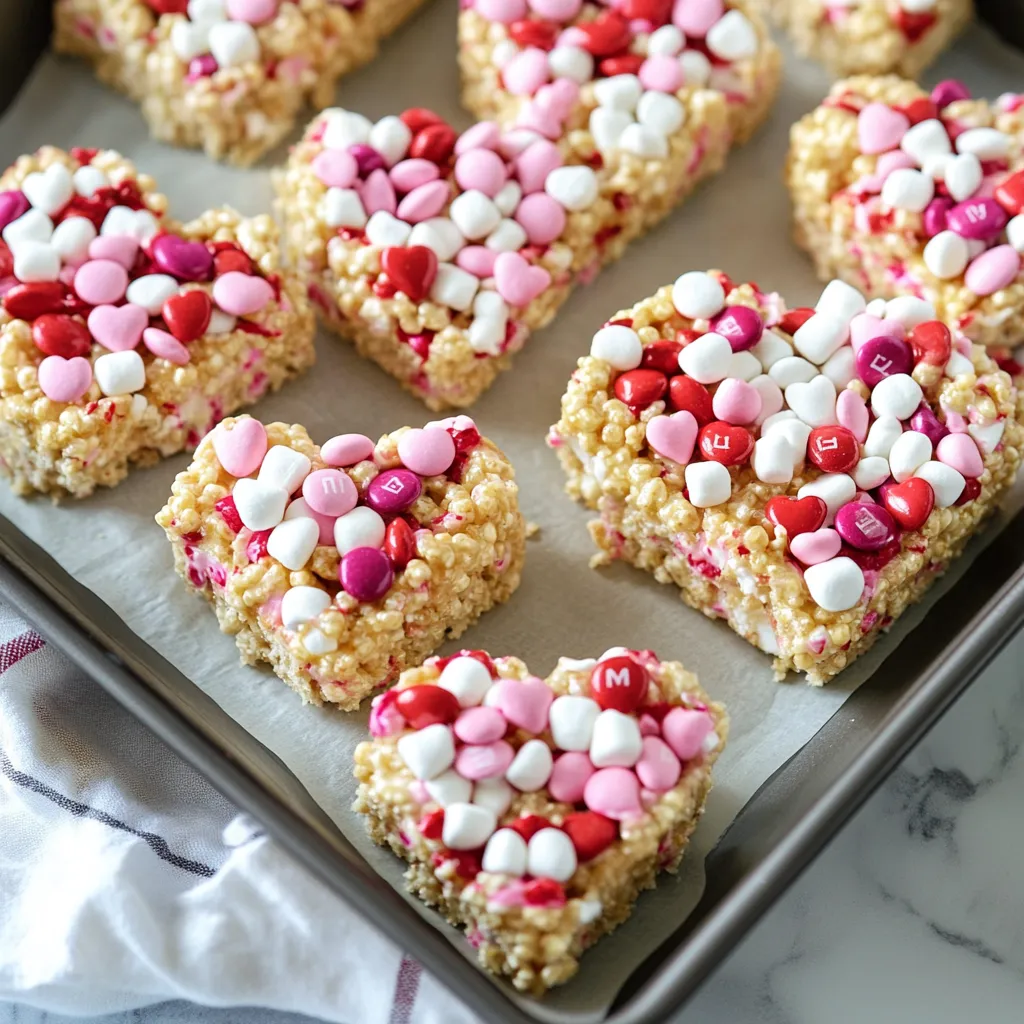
64 380
737 402
684 730
812 548
615 793
864 327
673 436
255 12
525 703
165 346
518 282
120 248
118 328
241 294
879 128
852 413
240 448
336 168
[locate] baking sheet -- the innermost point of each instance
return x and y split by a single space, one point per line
738 222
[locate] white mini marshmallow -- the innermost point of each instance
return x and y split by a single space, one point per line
771 348
531 767
35 262
733 37
645 142
620 92
494 794
454 287
907 189
293 542
575 187
898 395
466 826
571 62
963 175
616 739
882 436
909 310
792 369
707 359
707 483
835 585
550 854
909 452
841 301
71 239
505 853
360 528
284 467
89 179
474 214
342 208
835 489
619 346
606 126
660 112
572 721
984 143
814 402
926 139
390 136
946 255
428 752
440 235
821 335
946 482
303 604
50 190
467 678
773 458
120 373
449 788
234 43
345 128
385 230
508 236
872 471
317 642
260 505
698 295
841 367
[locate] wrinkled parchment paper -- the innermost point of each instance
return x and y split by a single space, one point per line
738 222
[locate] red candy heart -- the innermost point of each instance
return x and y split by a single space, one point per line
655 11
797 515
689 394
541 34
910 502
606 35
168 6
1010 193
931 342
231 259
410 269
972 488
528 825
639 388
187 314
435 143
416 118
400 543
913 25
427 705
627 64
619 684
794 319
921 109
27 301
725 443
664 356
833 449
590 833
58 334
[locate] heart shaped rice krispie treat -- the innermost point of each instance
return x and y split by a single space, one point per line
124 335
904 193
439 253
229 76
341 565
533 812
803 474
873 37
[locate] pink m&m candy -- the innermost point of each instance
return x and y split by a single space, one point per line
346 450
330 492
335 168
866 527
883 357
481 169
741 326
484 762
993 270
541 217
101 281
393 491
410 174
569 777
615 793
961 452
366 574
480 725
685 729
977 218
429 451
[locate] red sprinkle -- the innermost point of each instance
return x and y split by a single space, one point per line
228 512
431 825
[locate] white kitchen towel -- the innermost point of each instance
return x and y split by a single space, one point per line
126 879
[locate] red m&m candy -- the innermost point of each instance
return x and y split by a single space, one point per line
427 705
725 443
833 449
619 683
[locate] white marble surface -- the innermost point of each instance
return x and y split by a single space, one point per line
915 913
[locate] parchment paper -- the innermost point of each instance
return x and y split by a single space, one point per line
738 222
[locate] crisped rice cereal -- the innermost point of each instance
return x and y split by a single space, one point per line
534 812
902 192
803 474
438 254
342 564
228 77
124 335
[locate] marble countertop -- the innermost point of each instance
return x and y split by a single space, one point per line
915 913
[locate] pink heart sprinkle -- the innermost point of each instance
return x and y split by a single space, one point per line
336 168
525 703
241 294
518 282
812 548
879 128
615 793
165 346
65 380
118 328
120 248
852 413
673 436
241 446
864 327
684 731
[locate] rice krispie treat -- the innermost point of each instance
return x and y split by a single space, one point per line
341 565
439 253
804 474
900 192
533 812
124 335
873 37
229 76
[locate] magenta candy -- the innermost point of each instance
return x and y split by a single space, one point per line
187 261
924 421
366 574
367 158
201 67
480 725
882 357
393 491
409 174
977 218
949 91
935 215
741 326
13 205
542 218
866 527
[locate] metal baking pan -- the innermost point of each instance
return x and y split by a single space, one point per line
779 832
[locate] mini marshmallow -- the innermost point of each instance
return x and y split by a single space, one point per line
454 287
909 452
493 794
835 585
449 788
707 359
835 489
841 301
466 826
360 528
284 467
440 235
467 678
898 395
774 458
293 542
120 373
618 345
822 334
575 187
882 436
385 230
550 854
531 767
505 853
620 92
260 505
303 604
428 752
572 721
946 482
707 484
698 295
871 472
474 214
616 739
792 369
